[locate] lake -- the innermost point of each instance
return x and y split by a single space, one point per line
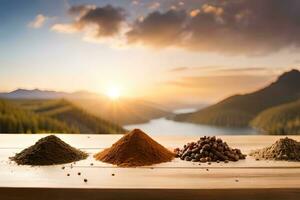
163 126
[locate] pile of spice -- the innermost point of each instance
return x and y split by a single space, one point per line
209 149
135 149
282 149
49 150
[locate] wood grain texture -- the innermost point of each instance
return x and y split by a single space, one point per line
234 179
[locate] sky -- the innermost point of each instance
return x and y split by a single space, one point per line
166 50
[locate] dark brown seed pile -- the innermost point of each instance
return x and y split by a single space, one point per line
209 149
282 149
49 150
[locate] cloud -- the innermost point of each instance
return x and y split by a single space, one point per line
134 2
218 82
194 12
252 27
179 69
223 70
93 21
297 61
211 88
38 21
240 27
244 69
232 83
64 28
158 29
154 5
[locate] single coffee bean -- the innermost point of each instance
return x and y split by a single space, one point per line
188 158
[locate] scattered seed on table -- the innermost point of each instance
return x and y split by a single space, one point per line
257 159
113 174
207 169
79 173
85 180
63 167
209 163
236 180
68 174
92 164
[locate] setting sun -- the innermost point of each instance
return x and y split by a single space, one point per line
113 93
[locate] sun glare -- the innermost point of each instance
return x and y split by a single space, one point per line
113 93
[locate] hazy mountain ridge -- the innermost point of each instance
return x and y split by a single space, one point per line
46 94
240 110
123 111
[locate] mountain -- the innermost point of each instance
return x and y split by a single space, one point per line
45 94
239 110
14 119
283 119
123 111
70 114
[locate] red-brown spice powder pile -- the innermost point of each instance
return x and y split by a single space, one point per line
135 149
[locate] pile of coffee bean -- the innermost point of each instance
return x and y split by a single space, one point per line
209 149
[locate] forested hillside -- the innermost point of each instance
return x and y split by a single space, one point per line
14 119
283 119
124 111
73 116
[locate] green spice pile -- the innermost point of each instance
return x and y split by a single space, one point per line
282 149
209 149
49 150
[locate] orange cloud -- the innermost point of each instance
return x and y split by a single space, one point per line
102 21
194 12
38 21
212 9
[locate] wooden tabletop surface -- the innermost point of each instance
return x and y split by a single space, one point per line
177 177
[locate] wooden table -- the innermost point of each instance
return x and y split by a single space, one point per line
246 179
